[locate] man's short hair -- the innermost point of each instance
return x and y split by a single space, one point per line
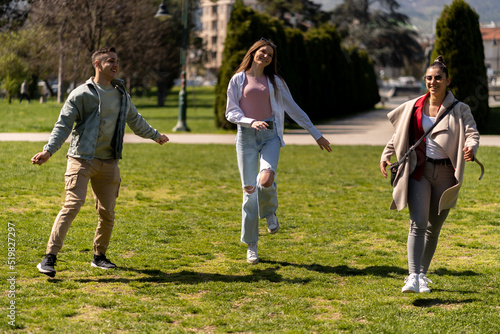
98 55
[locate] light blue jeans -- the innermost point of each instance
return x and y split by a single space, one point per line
253 148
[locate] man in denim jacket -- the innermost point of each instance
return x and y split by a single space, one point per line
99 110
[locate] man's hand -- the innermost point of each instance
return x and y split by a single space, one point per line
162 140
40 158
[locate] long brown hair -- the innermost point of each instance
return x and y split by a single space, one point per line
270 70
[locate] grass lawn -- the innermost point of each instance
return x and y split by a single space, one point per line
336 266
36 117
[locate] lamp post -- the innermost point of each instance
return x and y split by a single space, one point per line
163 14
498 53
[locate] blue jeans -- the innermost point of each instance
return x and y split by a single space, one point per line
254 147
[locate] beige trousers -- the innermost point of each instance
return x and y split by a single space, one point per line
104 176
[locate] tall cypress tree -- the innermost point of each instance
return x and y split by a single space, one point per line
245 27
324 78
458 39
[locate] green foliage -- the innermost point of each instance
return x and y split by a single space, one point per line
12 68
383 30
363 78
323 77
244 28
25 55
336 266
296 13
458 39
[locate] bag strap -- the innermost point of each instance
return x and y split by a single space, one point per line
414 146
481 166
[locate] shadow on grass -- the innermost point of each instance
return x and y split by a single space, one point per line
446 272
267 274
441 302
193 277
382 271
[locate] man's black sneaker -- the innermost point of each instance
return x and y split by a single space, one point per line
47 265
100 261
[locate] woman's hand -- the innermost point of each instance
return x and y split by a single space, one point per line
259 125
383 166
324 144
468 153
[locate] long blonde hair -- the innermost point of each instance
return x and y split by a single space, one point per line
270 70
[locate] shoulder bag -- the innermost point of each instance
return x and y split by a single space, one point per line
395 166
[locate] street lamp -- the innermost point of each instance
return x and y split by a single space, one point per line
498 53
163 14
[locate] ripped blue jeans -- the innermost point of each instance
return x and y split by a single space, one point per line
256 148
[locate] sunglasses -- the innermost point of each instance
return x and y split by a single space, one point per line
268 41
438 78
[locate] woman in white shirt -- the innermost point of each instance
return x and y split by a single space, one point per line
257 98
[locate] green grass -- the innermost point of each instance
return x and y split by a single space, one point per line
36 117
336 266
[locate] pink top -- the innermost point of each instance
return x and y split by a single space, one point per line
255 102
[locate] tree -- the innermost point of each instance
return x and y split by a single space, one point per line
24 56
244 28
459 40
13 13
296 13
148 48
378 27
325 79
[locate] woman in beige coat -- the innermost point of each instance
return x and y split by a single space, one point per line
431 178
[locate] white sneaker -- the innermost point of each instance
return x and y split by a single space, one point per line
252 256
422 283
272 224
411 284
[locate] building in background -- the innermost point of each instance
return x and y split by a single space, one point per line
214 19
491 43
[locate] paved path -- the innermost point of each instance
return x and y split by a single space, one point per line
371 128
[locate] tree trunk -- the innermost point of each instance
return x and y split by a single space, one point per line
162 92
60 76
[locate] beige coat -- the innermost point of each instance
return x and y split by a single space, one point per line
456 131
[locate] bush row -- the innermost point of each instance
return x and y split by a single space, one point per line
326 80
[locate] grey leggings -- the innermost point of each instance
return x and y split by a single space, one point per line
426 223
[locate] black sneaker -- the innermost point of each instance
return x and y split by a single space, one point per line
100 261
47 265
